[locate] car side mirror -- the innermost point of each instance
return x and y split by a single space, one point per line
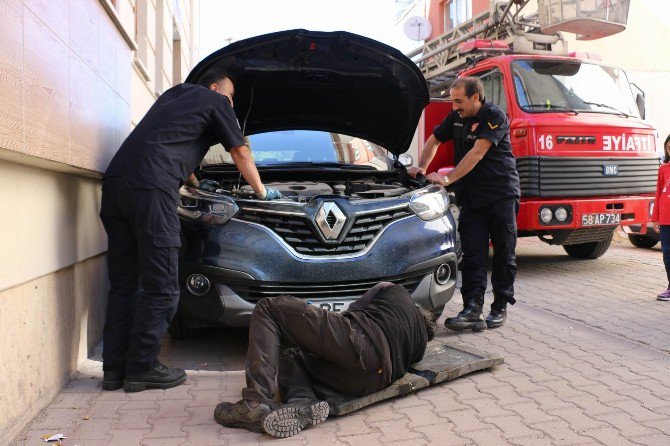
406 159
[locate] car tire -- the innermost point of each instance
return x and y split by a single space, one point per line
590 250
642 241
179 329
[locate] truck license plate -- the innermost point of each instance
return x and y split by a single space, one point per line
330 305
601 219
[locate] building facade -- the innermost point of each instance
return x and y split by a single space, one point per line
75 76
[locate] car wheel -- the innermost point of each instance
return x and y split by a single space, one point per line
642 241
178 329
590 250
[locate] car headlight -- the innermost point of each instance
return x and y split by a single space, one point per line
561 214
546 215
429 203
205 207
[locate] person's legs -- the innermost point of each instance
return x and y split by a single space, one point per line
156 228
287 318
124 288
473 229
502 227
326 334
665 247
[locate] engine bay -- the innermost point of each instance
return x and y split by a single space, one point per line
303 191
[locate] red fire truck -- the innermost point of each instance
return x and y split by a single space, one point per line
586 159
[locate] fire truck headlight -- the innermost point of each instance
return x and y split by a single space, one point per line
561 214
546 215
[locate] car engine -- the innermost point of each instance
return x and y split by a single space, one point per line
303 191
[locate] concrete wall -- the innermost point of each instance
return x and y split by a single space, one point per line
71 88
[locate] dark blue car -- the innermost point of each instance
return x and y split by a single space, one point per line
328 117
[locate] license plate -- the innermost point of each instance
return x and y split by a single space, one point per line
330 305
601 219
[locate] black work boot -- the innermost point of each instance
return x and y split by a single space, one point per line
496 317
294 416
244 413
161 377
471 318
112 380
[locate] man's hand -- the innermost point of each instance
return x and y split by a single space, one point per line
657 227
269 193
414 171
209 185
436 178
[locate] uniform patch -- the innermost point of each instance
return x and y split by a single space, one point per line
474 126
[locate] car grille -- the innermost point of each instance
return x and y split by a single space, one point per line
253 291
583 177
299 232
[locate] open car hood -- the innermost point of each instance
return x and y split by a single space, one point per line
331 81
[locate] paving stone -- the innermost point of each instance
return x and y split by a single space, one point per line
126 436
442 433
166 427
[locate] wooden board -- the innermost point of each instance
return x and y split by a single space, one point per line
441 362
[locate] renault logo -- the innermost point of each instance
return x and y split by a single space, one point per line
330 219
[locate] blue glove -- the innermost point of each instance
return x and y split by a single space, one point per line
272 194
209 185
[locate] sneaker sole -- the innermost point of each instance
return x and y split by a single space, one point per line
289 420
138 386
663 298
462 326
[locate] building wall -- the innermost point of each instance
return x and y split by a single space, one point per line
73 81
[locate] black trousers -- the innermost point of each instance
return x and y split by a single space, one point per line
326 347
497 222
143 235
664 232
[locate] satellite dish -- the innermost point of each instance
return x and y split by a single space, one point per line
417 28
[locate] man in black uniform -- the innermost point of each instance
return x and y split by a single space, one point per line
487 189
139 213
360 351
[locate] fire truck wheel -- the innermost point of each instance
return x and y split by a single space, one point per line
590 250
642 241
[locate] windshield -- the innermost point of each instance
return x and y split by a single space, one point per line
306 146
551 85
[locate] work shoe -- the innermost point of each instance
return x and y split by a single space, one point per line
471 318
241 414
161 377
496 317
294 416
112 380
664 295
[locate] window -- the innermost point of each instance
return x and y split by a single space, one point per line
494 90
459 11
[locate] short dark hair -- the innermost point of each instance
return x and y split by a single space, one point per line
472 85
666 157
214 75
429 319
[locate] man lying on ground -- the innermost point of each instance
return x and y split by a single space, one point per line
360 351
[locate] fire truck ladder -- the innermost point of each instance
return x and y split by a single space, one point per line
440 60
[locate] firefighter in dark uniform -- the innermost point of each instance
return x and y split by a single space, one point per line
139 213
487 189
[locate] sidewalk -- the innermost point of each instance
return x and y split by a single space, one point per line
587 353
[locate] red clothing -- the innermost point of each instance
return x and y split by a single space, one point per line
661 212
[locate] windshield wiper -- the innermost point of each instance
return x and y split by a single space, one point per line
551 107
606 106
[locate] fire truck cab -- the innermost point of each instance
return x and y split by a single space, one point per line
586 159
